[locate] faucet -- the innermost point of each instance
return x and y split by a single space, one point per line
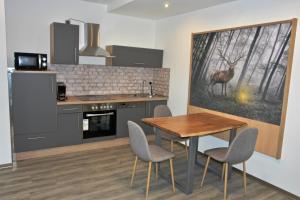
151 90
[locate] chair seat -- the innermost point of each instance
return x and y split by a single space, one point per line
159 154
217 153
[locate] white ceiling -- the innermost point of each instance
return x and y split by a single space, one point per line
100 1
154 9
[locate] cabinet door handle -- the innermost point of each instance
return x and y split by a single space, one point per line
36 138
52 87
75 55
139 63
70 109
98 115
78 123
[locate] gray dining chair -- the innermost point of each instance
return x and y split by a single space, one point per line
239 151
164 111
148 153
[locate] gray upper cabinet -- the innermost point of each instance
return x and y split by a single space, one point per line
34 103
134 57
64 43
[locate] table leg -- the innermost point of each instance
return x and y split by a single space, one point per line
232 135
158 143
157 139
193 147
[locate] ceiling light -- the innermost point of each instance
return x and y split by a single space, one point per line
166 4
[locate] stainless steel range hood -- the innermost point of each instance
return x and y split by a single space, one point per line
92 42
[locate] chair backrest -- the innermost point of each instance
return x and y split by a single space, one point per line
138 141
242 147
161 111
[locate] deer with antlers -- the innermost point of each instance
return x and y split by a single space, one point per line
224 76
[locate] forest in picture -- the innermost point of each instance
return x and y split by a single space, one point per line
241 71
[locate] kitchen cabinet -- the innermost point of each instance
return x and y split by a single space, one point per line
134 111
69 125
134 57
64 43
34 102
34 142
150 105
34 115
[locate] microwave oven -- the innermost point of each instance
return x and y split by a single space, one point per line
30 61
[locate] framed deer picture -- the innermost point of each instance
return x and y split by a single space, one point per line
244 72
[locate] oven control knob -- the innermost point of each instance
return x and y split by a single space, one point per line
96 107
110 106
101 107
104 107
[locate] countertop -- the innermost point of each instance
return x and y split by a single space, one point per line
73 100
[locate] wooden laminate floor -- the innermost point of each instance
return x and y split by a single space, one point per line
105 173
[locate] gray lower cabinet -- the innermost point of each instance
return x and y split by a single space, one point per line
69 125
64 43
34 115
135 112
150 105
134 57
34 142
129 111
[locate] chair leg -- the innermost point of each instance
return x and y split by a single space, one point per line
148 179
133 170
186 150
172 145
223 170
205 170
172 174
225 181
156 172
245 176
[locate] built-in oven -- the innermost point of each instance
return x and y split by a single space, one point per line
99 120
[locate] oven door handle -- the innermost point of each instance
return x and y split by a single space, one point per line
97 115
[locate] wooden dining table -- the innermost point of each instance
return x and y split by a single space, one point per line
193 126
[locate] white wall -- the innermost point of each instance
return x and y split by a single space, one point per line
174 36
28 24
5 144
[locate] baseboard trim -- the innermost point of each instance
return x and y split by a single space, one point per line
5 166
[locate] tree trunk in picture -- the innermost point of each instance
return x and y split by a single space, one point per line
204 54
256 46
259 58
280 87
235 42
198 54
275 67
196 50
227 47
245 67
209 57
281 94
269 62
